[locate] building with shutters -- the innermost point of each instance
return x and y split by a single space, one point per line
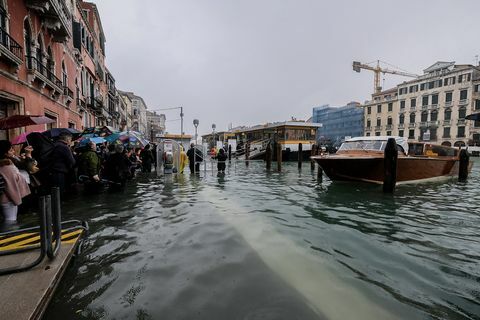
431 107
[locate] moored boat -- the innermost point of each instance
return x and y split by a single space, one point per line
362 159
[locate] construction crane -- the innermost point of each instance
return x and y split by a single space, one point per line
357 66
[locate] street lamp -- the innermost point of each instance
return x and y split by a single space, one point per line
213 129
195 123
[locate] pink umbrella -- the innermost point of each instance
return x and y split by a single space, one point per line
19 120
22 138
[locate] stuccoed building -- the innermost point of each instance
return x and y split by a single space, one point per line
338 123
431 107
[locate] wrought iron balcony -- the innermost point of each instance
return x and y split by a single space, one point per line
56 15
95 103
67 92
10 50
41 72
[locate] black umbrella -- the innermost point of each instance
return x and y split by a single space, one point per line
55 132
473 116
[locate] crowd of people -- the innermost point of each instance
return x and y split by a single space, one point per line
29 174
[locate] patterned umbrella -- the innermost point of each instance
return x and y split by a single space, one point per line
18 121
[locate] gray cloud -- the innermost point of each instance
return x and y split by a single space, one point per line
252 61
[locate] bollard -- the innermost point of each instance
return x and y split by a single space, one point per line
268 156
312 153
247 153
229 152
279 157
300 155
320 174
390 166
464 160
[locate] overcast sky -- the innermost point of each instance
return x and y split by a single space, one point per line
248 62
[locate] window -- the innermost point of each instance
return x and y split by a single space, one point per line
462 112
52 125
390 107
413 102
64 75
464 78
477 104
369 123
422 86
368 134
379 122
424 116
425 101
412 117
400 133
463 94
434 98
461 132
402 104
449 81
448 96
401 119
431 85
448 114
377 134
379 108
369 110
389 133
446 132
411 134
413 89
403 91
27 33
434 115
477 88
389 122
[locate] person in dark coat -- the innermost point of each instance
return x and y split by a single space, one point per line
194 158
61 161
117 168
147 159
221 158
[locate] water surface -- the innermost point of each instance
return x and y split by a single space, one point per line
252 244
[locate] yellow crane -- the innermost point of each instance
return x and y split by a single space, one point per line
357 66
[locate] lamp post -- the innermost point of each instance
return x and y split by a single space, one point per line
195 123
213 129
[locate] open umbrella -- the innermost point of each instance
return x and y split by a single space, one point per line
85 141
55 132
22 138
473 116
18 121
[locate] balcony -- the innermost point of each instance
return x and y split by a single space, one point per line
423 124
68 95
401 125
432 123
425 107
56 16
463 102
95 103
461 135
447 122
461 122
433 106
40 72
402 110
368 128
378 127
413 108
448 103
446 136
388 127
10 50
411 125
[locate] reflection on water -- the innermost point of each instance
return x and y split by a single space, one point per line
256 245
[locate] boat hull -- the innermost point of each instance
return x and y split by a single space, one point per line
371 169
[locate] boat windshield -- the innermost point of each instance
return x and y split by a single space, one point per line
375 145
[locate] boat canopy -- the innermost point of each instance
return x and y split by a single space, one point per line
377 143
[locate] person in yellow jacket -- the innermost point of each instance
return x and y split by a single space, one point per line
183 159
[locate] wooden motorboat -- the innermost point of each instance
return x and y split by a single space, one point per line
362 159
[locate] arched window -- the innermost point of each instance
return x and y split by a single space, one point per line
50 61
369 123
424 116
3 17
412 117
27 34
462 112
64 75
40 56
434 115
448 114
389 121
379 122
401 119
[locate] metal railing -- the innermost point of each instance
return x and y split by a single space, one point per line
49 230
8 42
36 65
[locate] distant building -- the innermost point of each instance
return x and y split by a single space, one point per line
338 122
139 113
431 107
155 125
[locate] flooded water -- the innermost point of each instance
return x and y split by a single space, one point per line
257 245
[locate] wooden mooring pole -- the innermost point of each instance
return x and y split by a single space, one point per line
300 155
247 153
229 152
312 153
268 156
390 166
279 157
463 165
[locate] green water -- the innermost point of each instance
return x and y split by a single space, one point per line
258 245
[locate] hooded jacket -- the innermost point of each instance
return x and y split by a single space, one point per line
15 185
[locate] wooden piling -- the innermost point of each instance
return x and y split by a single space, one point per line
312 162
390 166
463 165
229 152
300 155
268 156
279 157
247 153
